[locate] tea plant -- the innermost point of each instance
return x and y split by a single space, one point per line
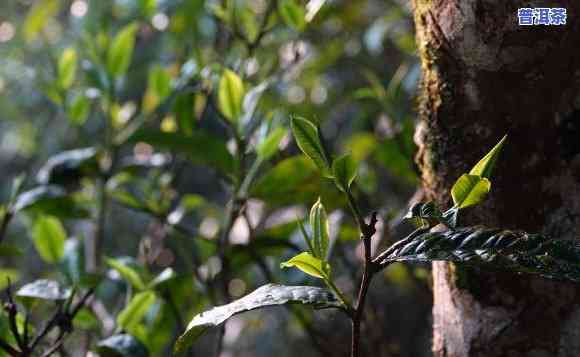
478 246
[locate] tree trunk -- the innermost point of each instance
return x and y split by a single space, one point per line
485 76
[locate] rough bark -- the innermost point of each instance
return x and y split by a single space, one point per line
483 77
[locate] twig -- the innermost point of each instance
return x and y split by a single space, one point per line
367 230
9 349
12 311
4 224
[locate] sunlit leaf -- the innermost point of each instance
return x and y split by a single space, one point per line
133 313
230 95
121 50
485 166
158 88
469 190
38 16
49 238
306 135
344 170
161 280
67 67
267 295
309 265
127 272
269 146
43 290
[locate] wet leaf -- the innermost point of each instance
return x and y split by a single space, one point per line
267 295
43 289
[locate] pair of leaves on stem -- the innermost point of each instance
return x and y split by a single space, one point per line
314 262
470 189
343 169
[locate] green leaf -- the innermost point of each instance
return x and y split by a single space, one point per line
69 166
200 147
133 313
50 200
73 262
490 248
161 280
8 275
267 295
291 181
470 190
344 170
38 16
293 14
230 95
123 345
158 88
129 274
67 68
251 101
78 109
485 166
306 237
320 229
121 51
269 146
306 135
85 319
424 214
49 238
308 264
43 290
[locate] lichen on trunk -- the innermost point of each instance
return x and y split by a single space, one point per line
483 77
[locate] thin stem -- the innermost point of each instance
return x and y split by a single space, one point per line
364 287
369 269
344 301
96 246
9 349
4 224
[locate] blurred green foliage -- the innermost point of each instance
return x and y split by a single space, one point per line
159 129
